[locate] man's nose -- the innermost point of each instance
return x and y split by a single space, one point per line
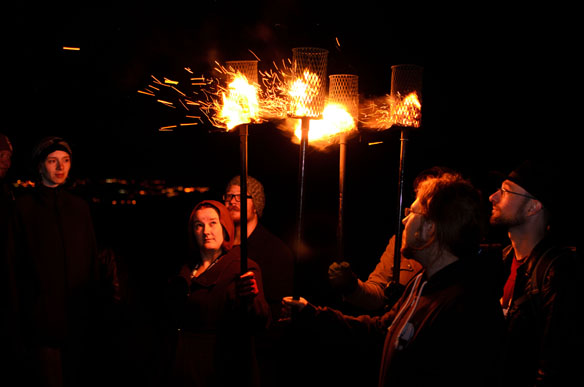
495 196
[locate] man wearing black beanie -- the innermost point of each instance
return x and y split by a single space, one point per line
541 297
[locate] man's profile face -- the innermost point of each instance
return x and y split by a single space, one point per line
412 239
508 205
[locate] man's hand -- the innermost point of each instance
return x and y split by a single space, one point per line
290 306
342 277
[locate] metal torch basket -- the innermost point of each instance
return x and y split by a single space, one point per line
344 90
248 68
309 67
405 80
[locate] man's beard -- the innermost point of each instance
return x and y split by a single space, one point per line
508 221
235 213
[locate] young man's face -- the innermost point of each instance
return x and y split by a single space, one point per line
55 169
233 205
509 203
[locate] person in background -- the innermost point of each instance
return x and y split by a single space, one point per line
6 193
277 264
267 250
543 291
9 327
55 258
445 329
215 309
379 291
5 156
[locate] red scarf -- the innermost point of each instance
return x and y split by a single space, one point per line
510 284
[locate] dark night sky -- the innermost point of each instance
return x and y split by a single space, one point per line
500 85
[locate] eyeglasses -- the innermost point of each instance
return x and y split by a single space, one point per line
408 211
237 197
503 190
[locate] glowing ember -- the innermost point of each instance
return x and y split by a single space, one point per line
385 112
408 111
278 96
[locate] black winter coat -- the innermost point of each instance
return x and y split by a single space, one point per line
56 264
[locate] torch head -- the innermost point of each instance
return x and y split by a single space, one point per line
307 89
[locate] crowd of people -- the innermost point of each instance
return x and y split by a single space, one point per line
455 317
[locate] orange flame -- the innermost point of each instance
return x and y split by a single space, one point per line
240 103
385 112
281 95
302 92
336 120
408 111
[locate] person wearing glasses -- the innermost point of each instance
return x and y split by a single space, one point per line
379 291
542 292
276 262
445 329
272 255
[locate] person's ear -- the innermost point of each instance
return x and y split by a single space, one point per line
428 230
534 207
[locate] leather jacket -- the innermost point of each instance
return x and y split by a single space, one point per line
544 328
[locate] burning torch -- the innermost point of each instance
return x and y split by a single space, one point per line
344 92
406 107
306 101
242 107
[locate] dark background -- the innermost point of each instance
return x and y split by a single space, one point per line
500 85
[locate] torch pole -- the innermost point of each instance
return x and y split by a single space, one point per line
397 248
342 158
243 132
301 165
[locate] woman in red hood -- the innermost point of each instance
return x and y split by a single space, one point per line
217 309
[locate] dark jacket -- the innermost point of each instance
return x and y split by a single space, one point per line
277 264
56 264
445 330
214 346
544 321
211 302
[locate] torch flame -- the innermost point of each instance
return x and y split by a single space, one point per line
283 94
407 111
302 92
240 103
383 113
336 119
